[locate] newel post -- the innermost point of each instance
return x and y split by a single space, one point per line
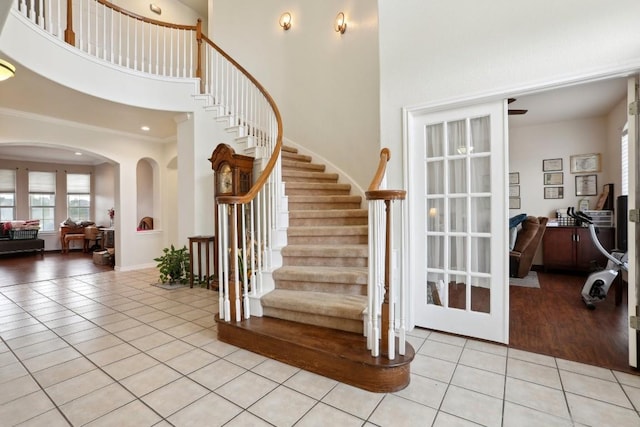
69 35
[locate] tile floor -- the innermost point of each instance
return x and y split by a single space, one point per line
109 349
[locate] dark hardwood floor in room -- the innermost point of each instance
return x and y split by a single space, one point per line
30 267
553 320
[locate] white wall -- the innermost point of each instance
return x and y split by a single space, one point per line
144 189
437 52
104 192
325 84
529 145
173 11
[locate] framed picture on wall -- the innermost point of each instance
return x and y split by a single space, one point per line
514 178
553 178
549 165
582 163
586 185
514 191
554 192
514 202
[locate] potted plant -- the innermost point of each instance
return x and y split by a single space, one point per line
174 265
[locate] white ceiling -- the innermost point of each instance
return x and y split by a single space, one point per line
569 103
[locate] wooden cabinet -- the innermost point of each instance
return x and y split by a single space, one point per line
571 248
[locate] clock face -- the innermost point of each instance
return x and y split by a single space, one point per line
225 179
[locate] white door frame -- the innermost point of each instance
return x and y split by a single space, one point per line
633 232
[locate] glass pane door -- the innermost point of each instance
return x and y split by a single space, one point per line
459 206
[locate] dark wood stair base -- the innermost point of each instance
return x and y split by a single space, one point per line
339 355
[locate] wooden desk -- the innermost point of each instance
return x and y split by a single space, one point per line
207 241
64 230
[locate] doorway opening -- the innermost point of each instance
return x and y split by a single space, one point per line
559 124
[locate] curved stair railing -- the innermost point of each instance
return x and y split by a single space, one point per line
108 32
387 306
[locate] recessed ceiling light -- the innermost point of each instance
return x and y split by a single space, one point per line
77 153
145 128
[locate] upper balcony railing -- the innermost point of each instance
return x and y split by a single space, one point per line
110 33
115 35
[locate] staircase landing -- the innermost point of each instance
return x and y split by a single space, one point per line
340 355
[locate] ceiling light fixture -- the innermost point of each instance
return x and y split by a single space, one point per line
285 21
340 24
145 128
7 70
155 8
77 153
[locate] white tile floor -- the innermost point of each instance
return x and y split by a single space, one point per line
109 349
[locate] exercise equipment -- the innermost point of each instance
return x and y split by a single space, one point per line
598 283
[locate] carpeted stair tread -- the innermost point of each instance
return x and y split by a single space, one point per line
330 230
306 217
289 149
295 156
318 303
305 166
331 251
325 199
336 213
301 188
324 274
296 175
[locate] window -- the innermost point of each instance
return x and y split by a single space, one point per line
624 161
79 196
7 194
42 198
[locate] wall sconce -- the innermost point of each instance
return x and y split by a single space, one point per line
155 8
285 21
7 70
341 24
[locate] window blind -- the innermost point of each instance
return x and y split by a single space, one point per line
78 183
7 180
42 182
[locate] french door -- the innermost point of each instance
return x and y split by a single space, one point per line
457 168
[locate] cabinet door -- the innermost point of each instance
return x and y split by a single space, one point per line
588 256
558 247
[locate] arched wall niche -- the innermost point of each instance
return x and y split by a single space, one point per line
147 193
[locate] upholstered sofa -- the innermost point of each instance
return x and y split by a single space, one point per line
526 245
20 238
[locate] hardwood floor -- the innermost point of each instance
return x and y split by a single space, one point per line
29 267
551 320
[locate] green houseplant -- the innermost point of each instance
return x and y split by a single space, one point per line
174 265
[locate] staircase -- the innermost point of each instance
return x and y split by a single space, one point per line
323 280
314 317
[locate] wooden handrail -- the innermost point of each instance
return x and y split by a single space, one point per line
385 156
374 192
262 179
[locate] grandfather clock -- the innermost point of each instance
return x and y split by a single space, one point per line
233 172
233 177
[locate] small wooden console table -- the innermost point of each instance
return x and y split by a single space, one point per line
207 241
